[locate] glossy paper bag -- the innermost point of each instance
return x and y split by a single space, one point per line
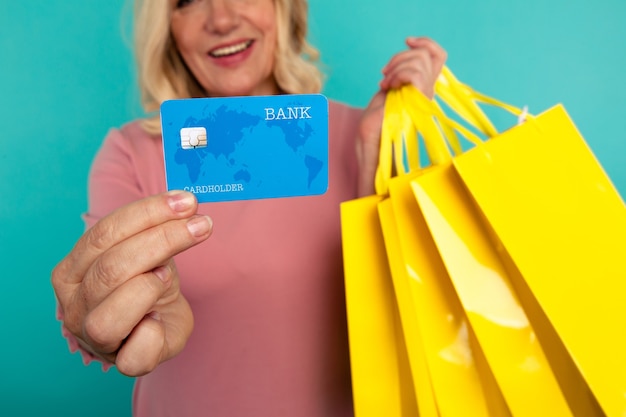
381 378
562 225
503 331
558 225
444 260
461 382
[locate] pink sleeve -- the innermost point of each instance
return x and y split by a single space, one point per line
113 180
112 184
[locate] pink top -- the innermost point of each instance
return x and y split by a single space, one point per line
266 290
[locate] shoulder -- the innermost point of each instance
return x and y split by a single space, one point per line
132 135
129 141
129 151
127 167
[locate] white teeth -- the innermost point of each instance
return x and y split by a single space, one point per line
229 50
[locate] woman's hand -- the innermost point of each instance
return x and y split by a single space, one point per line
419 65
118 289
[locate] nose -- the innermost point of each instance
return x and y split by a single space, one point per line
222 16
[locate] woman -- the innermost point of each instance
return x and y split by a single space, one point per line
266 288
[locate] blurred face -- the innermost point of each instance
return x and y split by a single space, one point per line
229 45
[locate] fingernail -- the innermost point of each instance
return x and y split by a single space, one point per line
155 315
181 200
200 225
161 272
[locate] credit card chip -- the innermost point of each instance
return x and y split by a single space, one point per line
193 137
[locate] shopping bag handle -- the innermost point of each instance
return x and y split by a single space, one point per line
402 126
409 115
463 100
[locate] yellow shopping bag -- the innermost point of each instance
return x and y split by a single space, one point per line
504 333
561 225
467 298
462 382
437 339
505 336
502 330
444 367
555 226
381 380
388 360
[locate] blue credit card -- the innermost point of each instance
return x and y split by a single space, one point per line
244 148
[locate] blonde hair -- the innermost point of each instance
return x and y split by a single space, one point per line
163 75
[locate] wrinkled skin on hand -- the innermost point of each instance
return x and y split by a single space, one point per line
118 289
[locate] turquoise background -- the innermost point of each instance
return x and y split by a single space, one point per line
67 76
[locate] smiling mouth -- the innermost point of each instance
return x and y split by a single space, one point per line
230 50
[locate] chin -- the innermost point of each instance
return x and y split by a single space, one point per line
239 88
